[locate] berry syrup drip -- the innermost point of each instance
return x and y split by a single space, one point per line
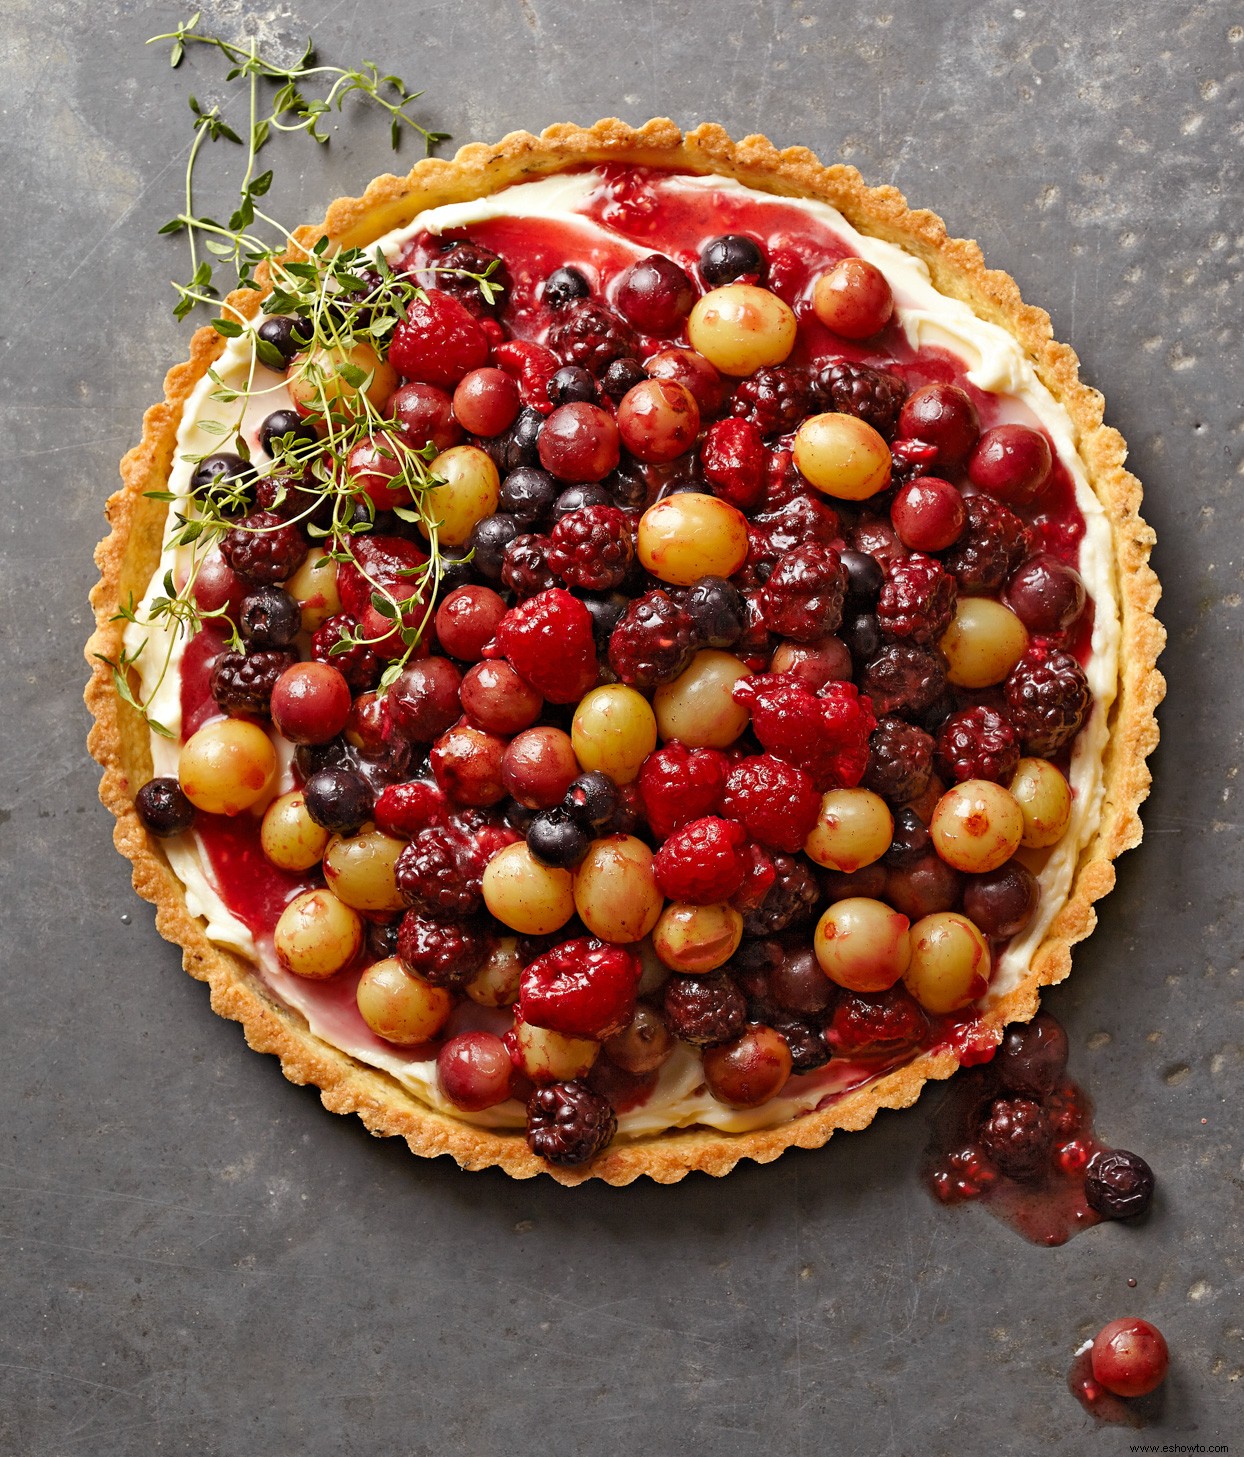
1106 1409
1018 1136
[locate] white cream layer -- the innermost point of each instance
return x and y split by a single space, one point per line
996 364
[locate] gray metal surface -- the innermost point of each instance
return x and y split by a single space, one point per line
197 1258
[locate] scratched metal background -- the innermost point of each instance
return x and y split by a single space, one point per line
196 1258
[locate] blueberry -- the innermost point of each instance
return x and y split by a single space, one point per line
281 423
527 493
1118 1184
557 838
606 612
718 610
571 385
731 256
520 443
488 542
865 578
622 375
592 798
286 335
269 618
382 939
219 469
310 758
563 286
862 634
338 800
1032 1058
574 498
163 808
911 839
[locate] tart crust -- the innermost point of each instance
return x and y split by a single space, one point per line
127 557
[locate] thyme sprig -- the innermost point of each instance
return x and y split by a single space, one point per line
292 107
345 304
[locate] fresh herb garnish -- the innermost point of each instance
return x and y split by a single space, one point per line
347 304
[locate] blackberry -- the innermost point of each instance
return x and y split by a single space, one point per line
704 1010
591 336
808 1048
993 543
358 665
591 548
803 596
445 953
803 521
269 618
904 679
564 286
434 877
1118 1184
263 548
977 743
1016 1135
790 900
568 1124
918 599
718 610
1047 696
525 568
653 643
872 395
774 399
527 494
242 682
471 257
163 808
900 761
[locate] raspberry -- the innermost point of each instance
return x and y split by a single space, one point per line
263 548
876 1026
910 459
445 953
782 480
390 562
406 809
1016 1135
678 785
904 679
734 462
700 863
243 682
876 537
758 877
824 733
582 988
775 399
704 1010
871 395
472 257
803 597
808 1049
358 665
435 876
977 743
918 599
803 521
548 641
993 543
532 365
591 336
790 899
592 548
525 568
1047 695
653 643
775 802
438 342
568 1124
900 761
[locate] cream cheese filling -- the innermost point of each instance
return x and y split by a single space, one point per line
996 364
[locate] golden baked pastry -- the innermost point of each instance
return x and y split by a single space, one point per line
1029 671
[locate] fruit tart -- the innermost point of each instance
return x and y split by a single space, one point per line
635 652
